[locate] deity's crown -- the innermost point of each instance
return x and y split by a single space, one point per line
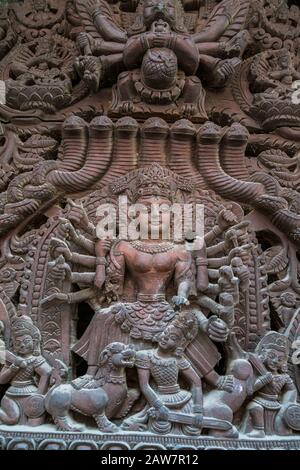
153 180
23 325
186 321
273 340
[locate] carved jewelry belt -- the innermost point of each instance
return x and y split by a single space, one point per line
22 384
268 396
116 379
166 389
151 297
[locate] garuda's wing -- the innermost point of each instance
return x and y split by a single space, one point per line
227 19
99 20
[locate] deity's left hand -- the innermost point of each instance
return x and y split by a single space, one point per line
179 300
198 420
217 329
77 215
226 218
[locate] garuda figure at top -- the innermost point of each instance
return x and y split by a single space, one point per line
158 61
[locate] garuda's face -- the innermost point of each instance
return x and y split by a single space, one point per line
40 5
159 9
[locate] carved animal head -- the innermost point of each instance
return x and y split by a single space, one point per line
169 11
273 349
26 337
59 372
117 356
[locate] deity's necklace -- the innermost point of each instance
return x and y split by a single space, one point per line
152 247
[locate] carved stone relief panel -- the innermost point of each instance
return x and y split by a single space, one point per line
149 224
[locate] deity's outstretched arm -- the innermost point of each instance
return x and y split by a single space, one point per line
213 274
85 243
83 260
218 262
115 271
238 251
212 235
206 302
77 237
101 47
84 278
209 35
81 295
184 275
214 49
109 31
216 249
201 269
112 63
186 52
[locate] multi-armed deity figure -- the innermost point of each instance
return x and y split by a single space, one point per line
158 57
149 279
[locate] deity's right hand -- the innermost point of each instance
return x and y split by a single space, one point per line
83 43
237 235
56 298
242 252
20 363
266 378
217 329
226 218
226 383
156 39
162 414
77 214
179 300
68 229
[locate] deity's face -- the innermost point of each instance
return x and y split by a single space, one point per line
23 345
40 5
284 62
282 15
274 360
155 219
170 339
288 299
159 9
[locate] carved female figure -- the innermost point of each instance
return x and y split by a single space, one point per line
28 374
265 413
164 365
